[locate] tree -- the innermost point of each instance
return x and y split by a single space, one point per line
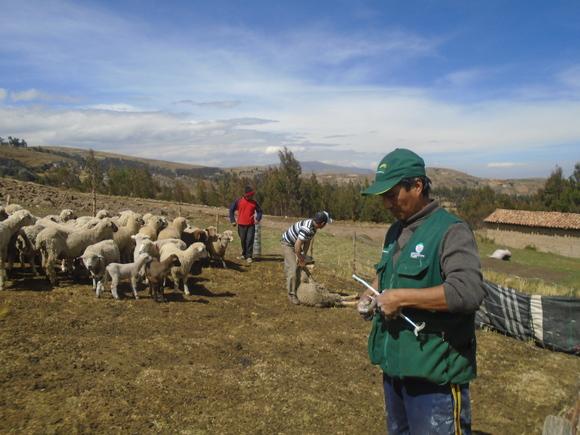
289 182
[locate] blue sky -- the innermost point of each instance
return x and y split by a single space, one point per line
490 88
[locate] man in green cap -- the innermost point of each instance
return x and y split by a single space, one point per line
430 271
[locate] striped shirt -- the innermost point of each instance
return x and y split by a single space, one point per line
304 230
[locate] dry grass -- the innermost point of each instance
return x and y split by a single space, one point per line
532 286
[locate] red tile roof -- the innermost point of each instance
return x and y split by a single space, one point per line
544 219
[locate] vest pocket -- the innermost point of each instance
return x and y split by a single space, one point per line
414 270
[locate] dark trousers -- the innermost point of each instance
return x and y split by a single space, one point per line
246 233
417 407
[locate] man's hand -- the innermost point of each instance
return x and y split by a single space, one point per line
388 303
234 224
301 261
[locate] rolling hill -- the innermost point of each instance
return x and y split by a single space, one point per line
29 163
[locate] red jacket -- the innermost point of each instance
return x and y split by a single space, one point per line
246 208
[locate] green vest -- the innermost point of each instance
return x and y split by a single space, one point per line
444 352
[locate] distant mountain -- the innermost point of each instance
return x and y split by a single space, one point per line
324 168
28 163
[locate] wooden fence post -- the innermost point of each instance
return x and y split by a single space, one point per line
354 252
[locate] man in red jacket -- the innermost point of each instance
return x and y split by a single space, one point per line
249 214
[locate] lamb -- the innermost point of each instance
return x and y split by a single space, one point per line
123 237
117 272
187 258
218 243
173 230
96 258
55 244
313 294
156 272
8 227
153 227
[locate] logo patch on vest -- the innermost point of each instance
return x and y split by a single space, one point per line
418 249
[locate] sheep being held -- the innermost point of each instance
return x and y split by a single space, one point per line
187 258
314 294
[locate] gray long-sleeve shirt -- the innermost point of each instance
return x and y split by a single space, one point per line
460 264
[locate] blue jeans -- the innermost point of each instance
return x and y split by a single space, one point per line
417 407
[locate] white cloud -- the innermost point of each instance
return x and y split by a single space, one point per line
358 126
273 150
505 164
465 77
118 107
36 95
3 94
211 104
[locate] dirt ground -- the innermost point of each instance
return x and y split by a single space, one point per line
233 358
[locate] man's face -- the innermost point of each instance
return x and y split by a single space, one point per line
319 225
402 203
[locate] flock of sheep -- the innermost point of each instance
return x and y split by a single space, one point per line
125 247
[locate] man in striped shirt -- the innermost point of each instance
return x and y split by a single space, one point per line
295 243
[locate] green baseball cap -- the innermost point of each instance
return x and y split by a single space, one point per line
398 164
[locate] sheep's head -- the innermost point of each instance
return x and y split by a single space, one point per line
180 223
102 214
211 232
3 214
67 214
199 250
92 262
24 217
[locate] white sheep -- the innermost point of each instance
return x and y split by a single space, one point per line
123 237
144 245
124 216
174 229
153 226
187 258
117 272
96 258
55 244
177 242
13 208
218 243
64 216
8 227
